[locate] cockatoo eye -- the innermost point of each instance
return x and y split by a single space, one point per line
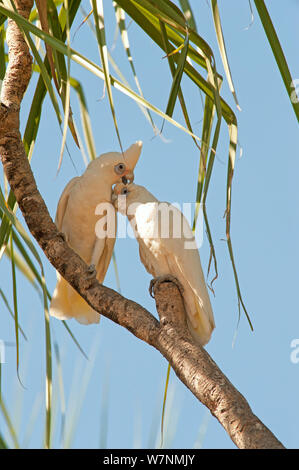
120 168
124 191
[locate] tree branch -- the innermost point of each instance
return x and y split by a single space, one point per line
170 336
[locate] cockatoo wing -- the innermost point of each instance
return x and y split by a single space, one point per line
100 258
102 253
66 302
63 201
198 307
167 250
147 260
184 263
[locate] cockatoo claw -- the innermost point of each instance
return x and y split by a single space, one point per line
166 278
91 271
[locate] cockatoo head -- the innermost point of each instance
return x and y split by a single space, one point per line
116 166
123 195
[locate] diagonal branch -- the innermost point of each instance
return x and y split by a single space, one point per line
170 336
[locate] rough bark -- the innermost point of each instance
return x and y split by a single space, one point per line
170 336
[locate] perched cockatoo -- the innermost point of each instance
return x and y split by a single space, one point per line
167 247
76 218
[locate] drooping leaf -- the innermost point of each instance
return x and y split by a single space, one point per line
186 7
120 18
98 13
278 54
176 84
222 49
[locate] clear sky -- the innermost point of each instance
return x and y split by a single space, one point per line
115 398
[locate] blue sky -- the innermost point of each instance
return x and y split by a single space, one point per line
117 394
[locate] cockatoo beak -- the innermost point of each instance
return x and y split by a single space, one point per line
128 177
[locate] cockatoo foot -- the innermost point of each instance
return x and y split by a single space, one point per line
91 271
166 278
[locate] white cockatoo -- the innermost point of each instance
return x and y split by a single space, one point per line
77 217
167 247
